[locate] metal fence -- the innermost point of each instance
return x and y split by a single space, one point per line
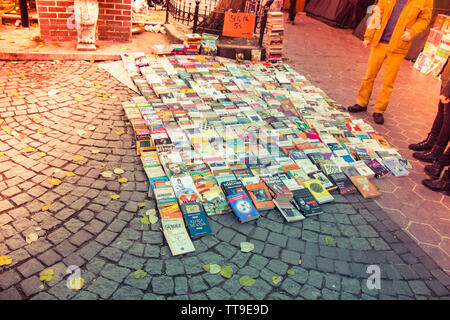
201 16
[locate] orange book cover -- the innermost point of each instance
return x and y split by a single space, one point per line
260 195
290 167
171 211
365 187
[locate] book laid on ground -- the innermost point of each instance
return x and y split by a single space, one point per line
289 211
277 188
365 187
177 236
260 195
195 218
327 183
363 169
380 170
242 207
343 183
318 191
395 167
306 203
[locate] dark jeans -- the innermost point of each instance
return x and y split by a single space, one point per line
441 125
292 9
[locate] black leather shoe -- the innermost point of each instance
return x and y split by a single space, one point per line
356 108
434 170
426 144
429 156
442 184
378 118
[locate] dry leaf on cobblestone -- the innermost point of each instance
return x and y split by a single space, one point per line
78 99
54 182
77 158
247 246
212 268
95 151
2 154
91 128
122 180
32 237
153 219
37 118
53 92
118 171
80 132
28 149
45 207
7 129
5 260
276 279
70 174
46 275
291 272
330 241
107 174
141 205
41 130
226 272
103 164
150 212
139 274
76 283
114 196
145 220
246 281
41 154
96 83
119 133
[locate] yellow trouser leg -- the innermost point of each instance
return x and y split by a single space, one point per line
376 58
393 62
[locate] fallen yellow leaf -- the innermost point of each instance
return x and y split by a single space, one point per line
7 129
77 283
96 83
114 196
46 275
122 180
77 158
103 164
28 149
70 174
141 204
119 133
95 151
37 118
78 99
118 171
41 154
41 130
45 207
2 154
54 182
5 260
32 237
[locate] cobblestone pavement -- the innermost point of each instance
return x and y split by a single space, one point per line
334 60
104 237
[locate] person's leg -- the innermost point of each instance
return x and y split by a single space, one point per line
430 140
393 62
376 59
292 10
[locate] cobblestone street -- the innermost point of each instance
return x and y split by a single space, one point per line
62 124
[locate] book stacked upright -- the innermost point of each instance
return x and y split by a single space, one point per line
275 33
192 43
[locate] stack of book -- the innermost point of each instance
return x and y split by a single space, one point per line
192 43
275 34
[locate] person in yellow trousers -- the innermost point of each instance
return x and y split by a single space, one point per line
391 29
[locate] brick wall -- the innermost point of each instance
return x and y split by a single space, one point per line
57 20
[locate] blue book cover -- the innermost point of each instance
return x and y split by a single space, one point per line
242 207
395 167
196 220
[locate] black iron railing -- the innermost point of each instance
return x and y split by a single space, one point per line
201 16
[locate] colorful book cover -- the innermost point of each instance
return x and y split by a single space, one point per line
365 187
242 207
195 218
185 189
260 196
343 183
306 202
318 191
395 167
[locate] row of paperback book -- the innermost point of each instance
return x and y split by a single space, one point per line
222 137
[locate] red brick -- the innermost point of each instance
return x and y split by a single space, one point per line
44 21
45 3
57 9
64 15
64 3
42 9
106 5
115 12
47 15
123 6
123 18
